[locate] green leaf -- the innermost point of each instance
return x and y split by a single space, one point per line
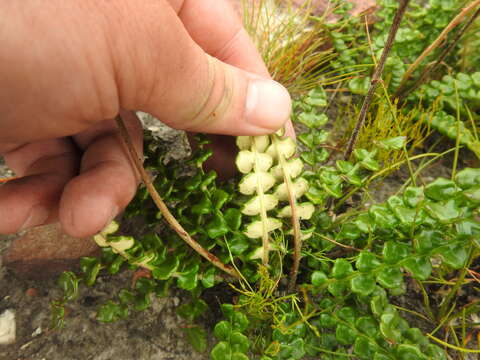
187 279
337 288
379 356
393 252
233 218
162 288
441 189
126 296
217 227
365 223
445 211
341 268
193 182
359 85
197 337
419 267
239 342
390 277
204 206
409 352
111 311
367 262
221 351
427 239
415 337
116 264
166 269
367 325
468 177
312 120
222 330
412 196
318 278
473 195
367 159
68 282
238 244
363 284
327 321
389 327
408 216
142 301
307 139
316 97
345 335
208 278
309 157
145 285
454 255
90 266
349 231
347 314
382 216
220 197
239 356
239 321
292 351
435 352
364 347
379 303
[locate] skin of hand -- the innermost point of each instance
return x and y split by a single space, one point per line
68 67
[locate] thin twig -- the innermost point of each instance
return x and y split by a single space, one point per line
376 77
174 224
456 20
428 69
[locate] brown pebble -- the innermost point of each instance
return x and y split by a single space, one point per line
31 292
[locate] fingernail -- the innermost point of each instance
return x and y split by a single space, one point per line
268 104
37 216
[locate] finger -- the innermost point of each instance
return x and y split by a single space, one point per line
107 180
217 28
43 169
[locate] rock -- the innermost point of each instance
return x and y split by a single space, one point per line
45 251
7 327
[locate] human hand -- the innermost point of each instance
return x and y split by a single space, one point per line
66 67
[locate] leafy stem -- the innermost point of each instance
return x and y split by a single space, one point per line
174 224
436 43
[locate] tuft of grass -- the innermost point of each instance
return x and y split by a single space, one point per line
293 44
386 122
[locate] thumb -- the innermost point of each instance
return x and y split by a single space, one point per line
164 72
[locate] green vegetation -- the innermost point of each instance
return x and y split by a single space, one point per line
319 265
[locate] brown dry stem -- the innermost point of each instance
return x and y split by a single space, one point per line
376 77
